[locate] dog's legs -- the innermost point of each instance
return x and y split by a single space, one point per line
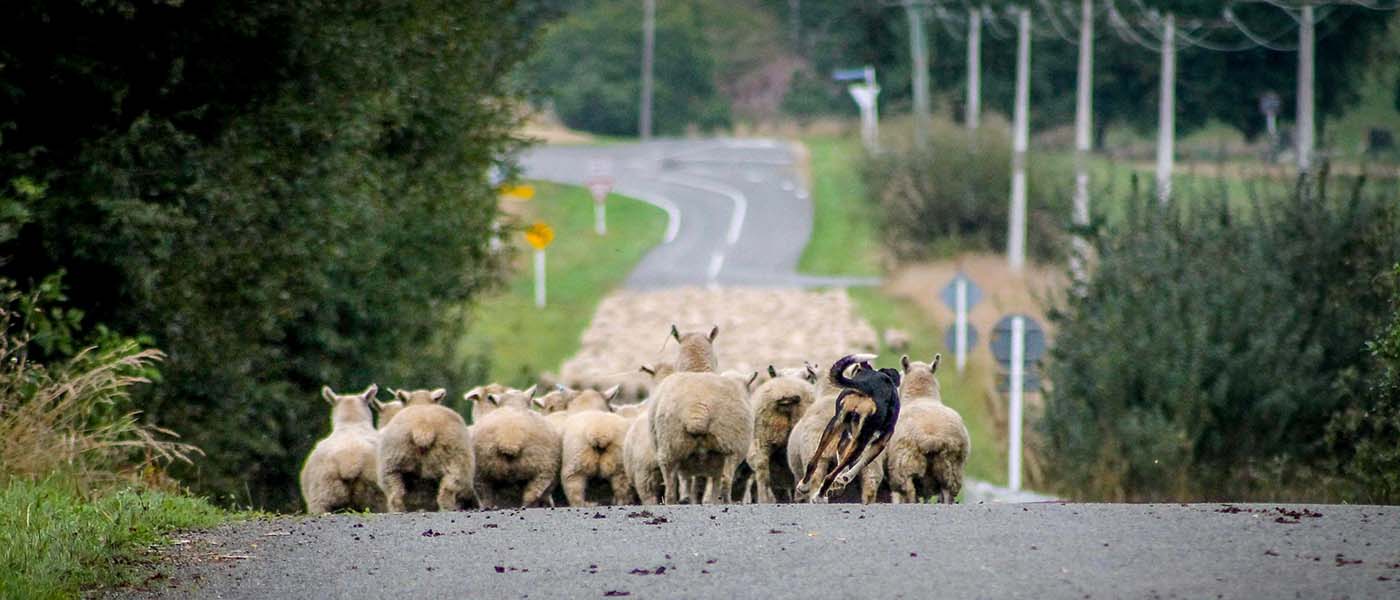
805 485
844 460
872 450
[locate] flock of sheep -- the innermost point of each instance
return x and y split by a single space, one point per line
701 436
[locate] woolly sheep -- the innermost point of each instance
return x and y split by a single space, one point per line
778 404
481 399
426 443
697 351
516 449
702 427
387 411
639 447
930 445
807 433
593 439
341 471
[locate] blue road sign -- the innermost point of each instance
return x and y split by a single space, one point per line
1001 340
949 294
952 338
1030 381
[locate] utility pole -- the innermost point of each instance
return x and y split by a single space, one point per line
973 110
648 48
795 24
918 48
1166 112
1083 122
1305 88
1020 140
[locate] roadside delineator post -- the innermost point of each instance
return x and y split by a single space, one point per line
961 294
539 236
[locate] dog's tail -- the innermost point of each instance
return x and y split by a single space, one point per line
838 368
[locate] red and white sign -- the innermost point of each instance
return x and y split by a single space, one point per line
600 186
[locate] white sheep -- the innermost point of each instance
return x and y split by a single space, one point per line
639 446
593 439
930 445
426 444
697 351
516 449
483 401
807 433
702 426
387 411
778 404
340 472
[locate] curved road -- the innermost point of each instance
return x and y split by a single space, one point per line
739 215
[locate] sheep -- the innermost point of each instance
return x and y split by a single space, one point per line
639 447
628 411
341 472
930 444
515 448
426 442
593 439
896 339
777 406
697 351
807 433
480 403
387 411
702 427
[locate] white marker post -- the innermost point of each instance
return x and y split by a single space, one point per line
600 218
960 324
539 278
1018 354
600 186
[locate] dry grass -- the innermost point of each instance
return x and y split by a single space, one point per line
68 419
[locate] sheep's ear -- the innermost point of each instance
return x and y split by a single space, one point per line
813 372
675 333
371 392
539 402
772 372
648 370
472 394
379 406
530 391
493 399
402 395
714 333
933 366
904 362
328 394
438 395
752 378
611 393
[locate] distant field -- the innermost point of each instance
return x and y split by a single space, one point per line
523 341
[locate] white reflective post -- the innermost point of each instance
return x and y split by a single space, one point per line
600 218
1166 112
1016 238
1018 354
539 278
960 324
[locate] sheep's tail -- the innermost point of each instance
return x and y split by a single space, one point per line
510 444
697 419
423 438
598 439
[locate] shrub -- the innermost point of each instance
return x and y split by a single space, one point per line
1209 349
1366 435
954 195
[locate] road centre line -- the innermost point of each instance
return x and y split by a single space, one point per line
741 203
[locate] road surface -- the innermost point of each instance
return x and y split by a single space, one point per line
738 214
1045 550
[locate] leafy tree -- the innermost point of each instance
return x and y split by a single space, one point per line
280 194
589 66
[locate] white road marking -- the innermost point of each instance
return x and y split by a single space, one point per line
673 212
741 203
716 263
801 194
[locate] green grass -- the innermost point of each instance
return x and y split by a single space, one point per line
844 240
962 392
581 267
54 543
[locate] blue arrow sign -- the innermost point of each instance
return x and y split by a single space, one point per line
949 294
951 339
1001 340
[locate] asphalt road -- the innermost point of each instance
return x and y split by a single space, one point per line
1046 550
738 213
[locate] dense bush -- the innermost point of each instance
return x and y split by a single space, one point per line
590 63
1367 434
1212 345
954 195
279 194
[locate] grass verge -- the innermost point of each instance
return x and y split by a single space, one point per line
54 543
524 341
844 240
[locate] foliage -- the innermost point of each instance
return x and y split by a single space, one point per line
304 214
1210 347
844 239
589 66
55 543
1367 434
950 197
